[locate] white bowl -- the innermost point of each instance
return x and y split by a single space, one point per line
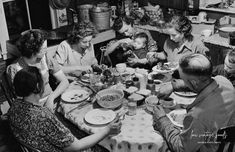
150 102
121 67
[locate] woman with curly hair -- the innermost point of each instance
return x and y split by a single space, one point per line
181 41
33 53
76 54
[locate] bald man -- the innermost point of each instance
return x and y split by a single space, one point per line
212 109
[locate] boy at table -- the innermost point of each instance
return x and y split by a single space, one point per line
228 68
213 108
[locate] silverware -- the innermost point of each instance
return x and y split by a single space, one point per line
80 106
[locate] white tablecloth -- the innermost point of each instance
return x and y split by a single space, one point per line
137 133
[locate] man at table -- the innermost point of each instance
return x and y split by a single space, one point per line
212 109
124 26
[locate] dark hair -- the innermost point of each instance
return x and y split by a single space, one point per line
28 80
30 43
231 56
81 30
118 23
142 35
188 66
181 24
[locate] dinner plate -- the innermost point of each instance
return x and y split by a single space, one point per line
74 96
163 77
100 116
177 116
169 67
185 93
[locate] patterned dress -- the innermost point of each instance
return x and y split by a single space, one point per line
39 127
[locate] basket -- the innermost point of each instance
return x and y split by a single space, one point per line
153 12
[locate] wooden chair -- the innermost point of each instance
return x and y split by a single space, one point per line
226 136
7 88
27 148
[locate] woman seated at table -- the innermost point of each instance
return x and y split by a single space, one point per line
76 54
37 126
33 50
181 41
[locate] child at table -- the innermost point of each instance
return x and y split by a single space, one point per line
137 50
228 68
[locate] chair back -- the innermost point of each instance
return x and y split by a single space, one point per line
27 148
226 136
7 88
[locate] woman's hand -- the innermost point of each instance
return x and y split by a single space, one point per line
50 103
85 68
114 127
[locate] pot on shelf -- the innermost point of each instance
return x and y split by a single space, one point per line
100 16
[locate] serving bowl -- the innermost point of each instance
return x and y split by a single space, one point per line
110 98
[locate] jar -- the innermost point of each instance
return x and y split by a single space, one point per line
151 86
132 106
136 82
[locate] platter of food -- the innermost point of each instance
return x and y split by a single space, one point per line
161 77
166 67
100 116
74 96
177 117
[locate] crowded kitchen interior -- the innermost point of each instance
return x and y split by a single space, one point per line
117 76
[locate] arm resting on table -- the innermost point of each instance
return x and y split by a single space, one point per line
87 142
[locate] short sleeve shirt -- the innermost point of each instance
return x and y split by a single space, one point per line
39 127
66 56
46 66
174 52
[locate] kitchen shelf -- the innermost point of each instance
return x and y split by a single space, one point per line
227 11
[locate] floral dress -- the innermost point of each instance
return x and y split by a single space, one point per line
39 127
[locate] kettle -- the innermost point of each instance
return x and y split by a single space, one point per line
202 17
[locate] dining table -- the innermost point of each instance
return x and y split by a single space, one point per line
137 132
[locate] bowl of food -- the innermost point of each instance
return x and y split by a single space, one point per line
110 98
150 102
167 102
